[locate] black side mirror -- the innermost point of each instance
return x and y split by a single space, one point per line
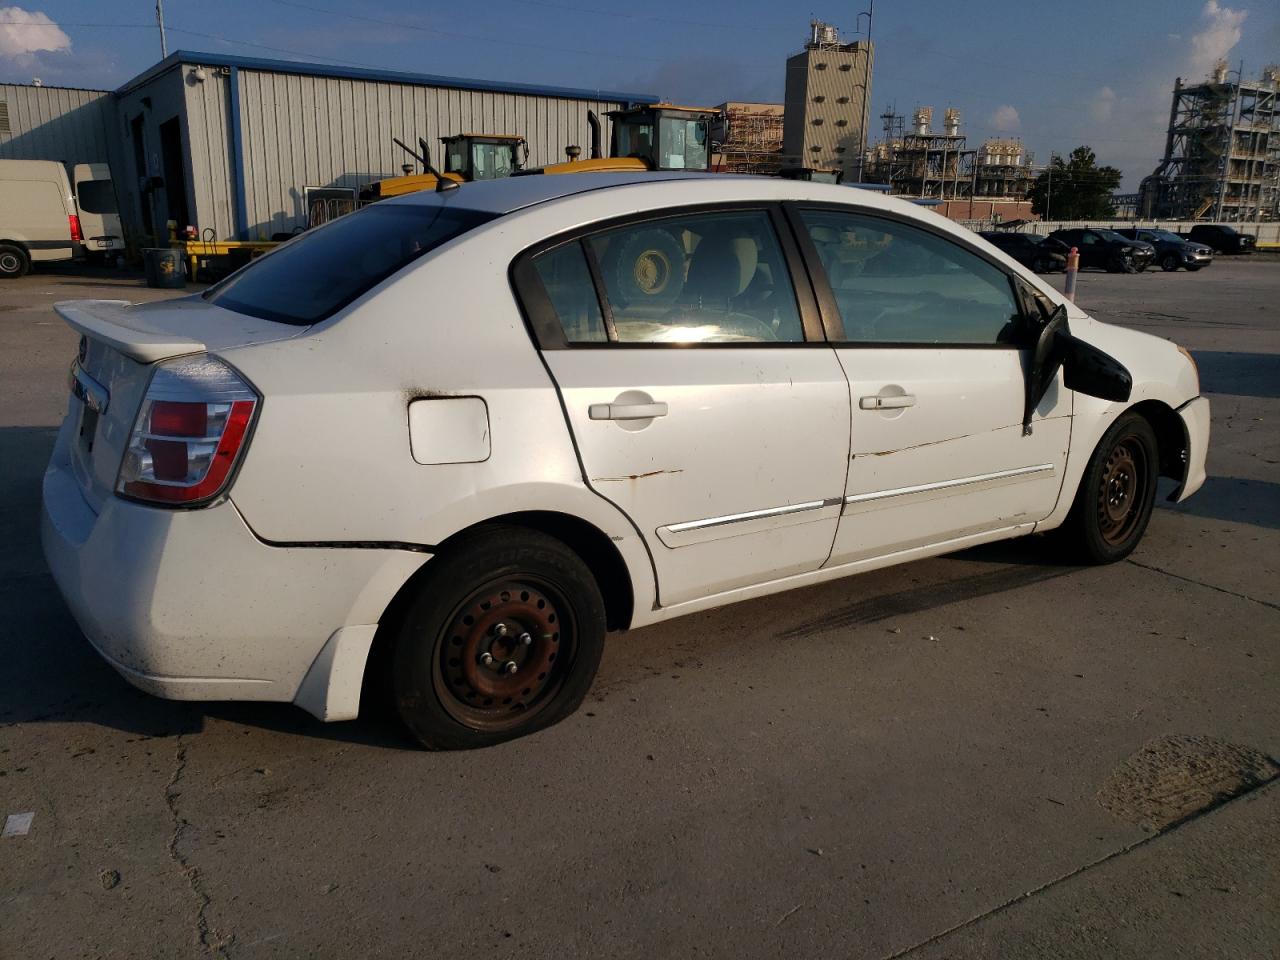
1088 370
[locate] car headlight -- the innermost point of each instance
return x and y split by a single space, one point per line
1195 367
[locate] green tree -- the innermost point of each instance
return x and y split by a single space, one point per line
1075 188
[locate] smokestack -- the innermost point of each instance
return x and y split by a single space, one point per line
1220 72
922 119
951 121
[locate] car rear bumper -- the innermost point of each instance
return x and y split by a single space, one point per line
1195 420
190 605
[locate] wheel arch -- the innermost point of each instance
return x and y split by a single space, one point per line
1171 437
584 538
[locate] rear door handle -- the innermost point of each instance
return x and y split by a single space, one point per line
626 411
887 403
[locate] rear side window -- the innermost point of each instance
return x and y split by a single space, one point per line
96 196
320 272
896 284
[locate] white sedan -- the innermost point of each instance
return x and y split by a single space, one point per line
449 441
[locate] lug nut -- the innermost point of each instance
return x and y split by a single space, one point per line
486 658
526 639
509 667
500 630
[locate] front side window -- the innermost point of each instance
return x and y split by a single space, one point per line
895 283
684 144
492 161
633 140
96 196
713 278
321 271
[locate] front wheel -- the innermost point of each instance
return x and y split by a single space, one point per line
502 638
1113 503
1169 263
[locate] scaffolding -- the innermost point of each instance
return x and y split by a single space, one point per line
1003 170
1222 152
748 137
922 162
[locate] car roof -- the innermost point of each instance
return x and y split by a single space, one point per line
510 194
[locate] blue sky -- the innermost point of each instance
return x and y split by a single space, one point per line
1057 74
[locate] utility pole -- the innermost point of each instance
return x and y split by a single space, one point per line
164 46
1048 193
866 93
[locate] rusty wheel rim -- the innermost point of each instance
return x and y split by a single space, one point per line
506 652
1121 490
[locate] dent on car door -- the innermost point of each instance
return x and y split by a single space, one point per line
932 339
701 396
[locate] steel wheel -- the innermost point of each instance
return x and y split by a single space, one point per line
508 644
1119 502
1112 505
499 637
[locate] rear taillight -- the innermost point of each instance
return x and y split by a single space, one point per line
74 223
189 433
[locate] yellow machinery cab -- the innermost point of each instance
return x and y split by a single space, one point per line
659 136
484 156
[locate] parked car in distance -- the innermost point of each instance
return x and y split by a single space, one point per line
1106 249
1041 254
553 407
38 218
1222 238
1172 250
99 215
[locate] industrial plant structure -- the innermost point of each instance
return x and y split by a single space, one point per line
828 92
747 137
1222 153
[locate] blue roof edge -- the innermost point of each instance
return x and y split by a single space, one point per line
305 68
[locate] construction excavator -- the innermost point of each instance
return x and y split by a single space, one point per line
467 156
661 136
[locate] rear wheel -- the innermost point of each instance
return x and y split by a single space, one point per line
1041 265
503 638
13 261
1169 262
1113 503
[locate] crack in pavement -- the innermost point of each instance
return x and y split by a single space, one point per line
1200 583
1070 874
214 946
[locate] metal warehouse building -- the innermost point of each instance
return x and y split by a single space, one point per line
233 144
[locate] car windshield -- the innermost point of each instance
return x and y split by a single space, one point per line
1163 235
1110 235
323 270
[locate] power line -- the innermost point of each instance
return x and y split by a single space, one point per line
489 40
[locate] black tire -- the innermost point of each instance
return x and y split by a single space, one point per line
1113 503
1170 262
1040 265
13 261
645 267
518 597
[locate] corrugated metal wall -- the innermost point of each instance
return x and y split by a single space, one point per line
825 107
209 150
301 131
56 123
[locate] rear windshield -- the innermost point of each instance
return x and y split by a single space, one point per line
320 272
96 196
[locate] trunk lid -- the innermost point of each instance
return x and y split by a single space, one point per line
119 347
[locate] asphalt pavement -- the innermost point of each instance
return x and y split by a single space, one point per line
990 754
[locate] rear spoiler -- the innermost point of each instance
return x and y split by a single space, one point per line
107 322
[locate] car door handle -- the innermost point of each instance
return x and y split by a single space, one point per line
887 403
626 411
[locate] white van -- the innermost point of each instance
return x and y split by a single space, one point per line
99 216
38 217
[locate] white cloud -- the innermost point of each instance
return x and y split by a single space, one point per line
1102 105
1215 40
1004 119
24 32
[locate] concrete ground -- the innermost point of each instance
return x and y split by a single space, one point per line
983 755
